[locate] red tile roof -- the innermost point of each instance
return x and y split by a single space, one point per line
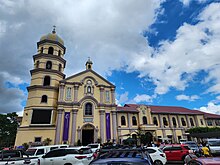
167 110
211 116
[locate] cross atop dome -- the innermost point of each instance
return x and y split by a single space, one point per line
54 29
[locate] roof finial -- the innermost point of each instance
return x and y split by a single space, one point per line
54 29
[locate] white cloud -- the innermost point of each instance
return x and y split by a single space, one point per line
123 98
142 98
211 108
187 2
188 98
195 48
104 30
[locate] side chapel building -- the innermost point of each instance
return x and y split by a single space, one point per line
82 107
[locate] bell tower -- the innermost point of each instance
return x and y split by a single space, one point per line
41 105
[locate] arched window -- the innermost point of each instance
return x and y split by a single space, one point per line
144 120
123 121
60 67
37 64
191 122
44 99
88 109
41 50
89 90
155 121
46 81
174 121
50 50
165 121
134 120
88 87
183 122
49 65
59 53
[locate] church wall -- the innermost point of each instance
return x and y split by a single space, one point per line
28 135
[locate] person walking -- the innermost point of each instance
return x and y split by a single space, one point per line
190 156
205 151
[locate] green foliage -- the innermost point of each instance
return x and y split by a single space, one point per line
47 141
25 145
8 129
203 129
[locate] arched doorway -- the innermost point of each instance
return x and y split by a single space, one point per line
87 134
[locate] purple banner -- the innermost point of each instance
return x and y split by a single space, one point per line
108 126
66 126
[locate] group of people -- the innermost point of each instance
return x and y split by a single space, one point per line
203 151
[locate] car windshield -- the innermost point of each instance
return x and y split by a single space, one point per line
93 145
214 143
31 151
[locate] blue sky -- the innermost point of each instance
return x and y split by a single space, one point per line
158 52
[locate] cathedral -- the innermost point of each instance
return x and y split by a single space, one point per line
82 109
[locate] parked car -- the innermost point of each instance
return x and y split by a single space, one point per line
157 155
94 146
205 161
192 145
122 157
176 152
214 146
67 156
16 157
41 150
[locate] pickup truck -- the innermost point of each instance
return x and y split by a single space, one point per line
16 157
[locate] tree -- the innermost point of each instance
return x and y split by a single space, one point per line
47 141
8 129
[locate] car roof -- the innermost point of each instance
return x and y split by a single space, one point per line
209 160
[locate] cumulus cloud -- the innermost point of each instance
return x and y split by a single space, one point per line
142 98
123 98
195 48
211 108
104 30
188 98
108 30
11 98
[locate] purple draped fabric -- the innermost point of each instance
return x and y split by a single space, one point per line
66 126
108 126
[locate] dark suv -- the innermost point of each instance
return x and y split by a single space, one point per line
122 157
176 152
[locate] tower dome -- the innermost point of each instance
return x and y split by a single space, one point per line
52 37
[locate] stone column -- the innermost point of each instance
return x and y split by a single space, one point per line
79 134
113 95
187 121
102 125
196 120
178 121
114 124
162 126
129 123
170 121
58 126
76 87
101 95
96 130
73 135
61 91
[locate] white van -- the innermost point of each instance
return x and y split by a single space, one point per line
214 146
41 150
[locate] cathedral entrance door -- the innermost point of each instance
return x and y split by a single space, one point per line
87 134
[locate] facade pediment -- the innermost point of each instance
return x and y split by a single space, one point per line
81 77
